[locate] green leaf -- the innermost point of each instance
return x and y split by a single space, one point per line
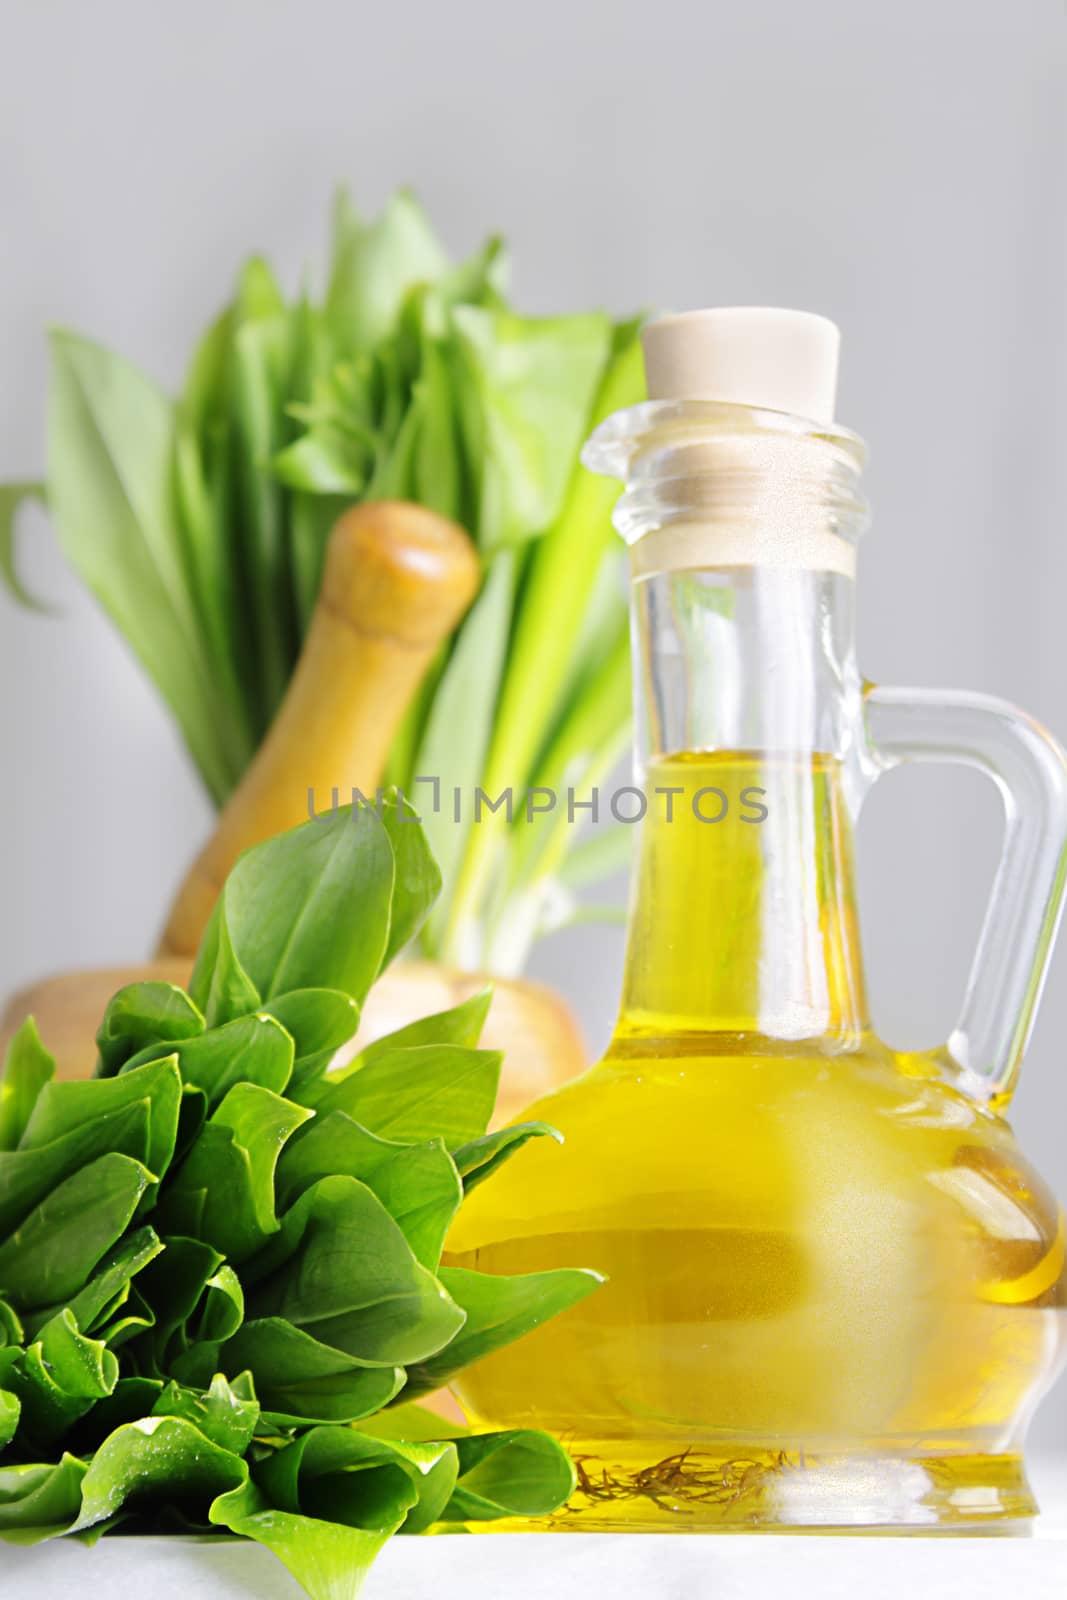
12 497
156 1458
74 1122
206 390
560 579
112 1277
325 460
111 436
417 877
412 1422
344 1475
48 1258
374 267
222 1309
142 1015
173 1284
311 520
254 1049
131 1399
342 1269
498 1311
220 986
224 1192
28 1067
258 293
480 1158
301 1380
455 739
308 909
319 1021
61 1377
226 1415
461 1024
328 1560
201 483
261 356
27 1176
11 1332
437 476
10 1411
536 379
417 1183
520 1473
38 1501
421 1092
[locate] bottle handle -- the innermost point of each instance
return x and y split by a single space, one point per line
1030 770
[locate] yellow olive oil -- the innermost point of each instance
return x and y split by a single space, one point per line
833 1284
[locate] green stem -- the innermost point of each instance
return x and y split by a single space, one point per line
561 579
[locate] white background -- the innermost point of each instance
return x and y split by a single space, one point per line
900 167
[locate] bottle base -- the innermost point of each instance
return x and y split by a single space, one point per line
626 1488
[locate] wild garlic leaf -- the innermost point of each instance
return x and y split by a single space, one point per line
319 1022
253 1049
37 1502
143 1014
328 1559
145 1459
498 1311
261 356
326 460
417 1183
27 1176
480 1158
28 1067
224 1192
113 1276
111 490
420 1092
461 1024
375 265
225 1415
221 1310
60 1377
328 886
342 1269
412 1422
516 1473
344 1475
300 1380
417 877
455 737
10 1412
174 1284
75 1108
220 986
201 487
50 1255
536 379
166 1272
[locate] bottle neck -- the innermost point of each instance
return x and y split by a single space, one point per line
742 919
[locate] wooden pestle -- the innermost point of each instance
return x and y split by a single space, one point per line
396 581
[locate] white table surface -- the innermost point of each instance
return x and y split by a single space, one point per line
586 1566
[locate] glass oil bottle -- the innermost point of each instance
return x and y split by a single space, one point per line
835 1287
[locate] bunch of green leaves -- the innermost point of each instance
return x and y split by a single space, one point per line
200 524
220 1258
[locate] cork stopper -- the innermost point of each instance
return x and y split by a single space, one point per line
760 356
735 459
